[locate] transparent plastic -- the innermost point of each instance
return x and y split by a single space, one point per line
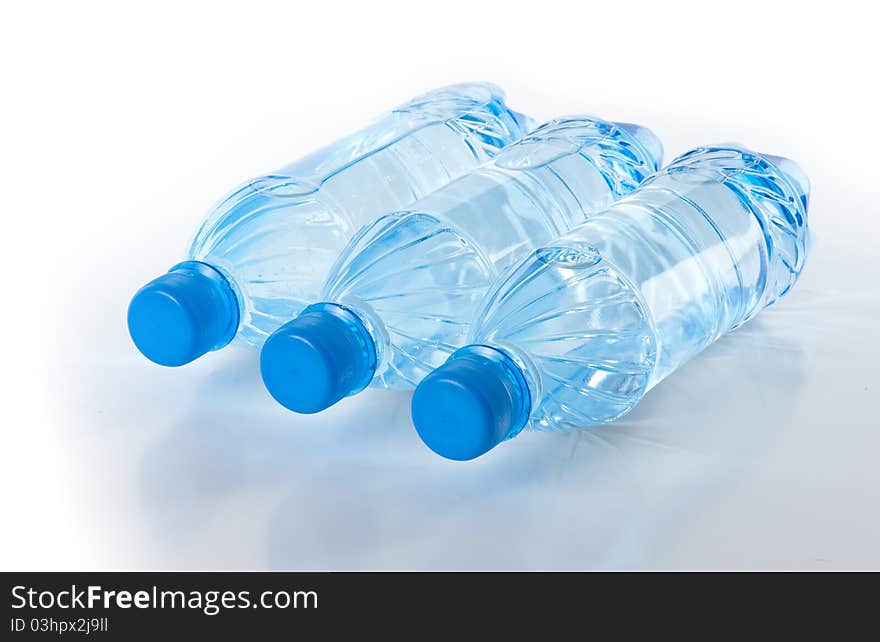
607 311
414 278
275 238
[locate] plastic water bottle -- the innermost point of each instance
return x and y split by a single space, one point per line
265 250
400 297
578 332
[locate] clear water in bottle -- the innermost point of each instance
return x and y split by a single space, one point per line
264 251
581 329
400 297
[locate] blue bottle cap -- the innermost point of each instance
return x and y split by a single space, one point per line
183 314
323 355
470 404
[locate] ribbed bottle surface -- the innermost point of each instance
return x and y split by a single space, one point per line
417 276
276 237
602 314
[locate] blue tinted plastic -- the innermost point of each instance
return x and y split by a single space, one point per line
416 277
275 238
599 317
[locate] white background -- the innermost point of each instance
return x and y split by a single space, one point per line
122 126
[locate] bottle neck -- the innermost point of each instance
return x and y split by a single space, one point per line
373 329
231 294
522 377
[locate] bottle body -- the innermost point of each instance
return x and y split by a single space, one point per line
274 239
601 315
416 277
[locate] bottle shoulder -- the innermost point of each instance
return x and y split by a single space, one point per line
582 327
